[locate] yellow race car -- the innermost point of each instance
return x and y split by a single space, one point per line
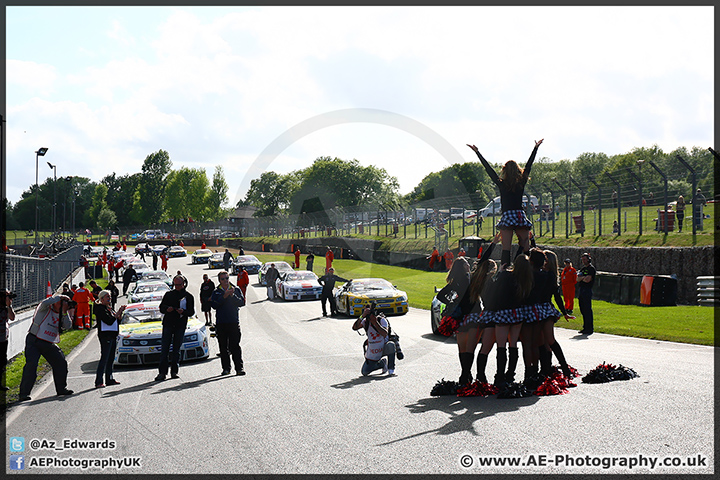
352 297
140 336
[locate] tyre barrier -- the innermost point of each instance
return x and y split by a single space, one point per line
707 291
635 289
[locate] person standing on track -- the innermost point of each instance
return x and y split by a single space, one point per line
226 300
568 279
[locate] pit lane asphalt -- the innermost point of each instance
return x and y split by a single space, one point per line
304 408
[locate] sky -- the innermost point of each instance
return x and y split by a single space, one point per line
403 88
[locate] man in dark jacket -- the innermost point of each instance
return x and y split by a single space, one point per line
226 300
128 275
328 282
176 306
227 259
271 275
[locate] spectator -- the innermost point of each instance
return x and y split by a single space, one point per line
297 256
226 300
568 279
114 293
7 315
128 277
310 259
586 279
378 346
42 338
328 283
271 276
227 259
329 257
206 290
243 280
176 306
83 297
680 212
107 323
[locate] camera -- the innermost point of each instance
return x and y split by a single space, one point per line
8 295
70 303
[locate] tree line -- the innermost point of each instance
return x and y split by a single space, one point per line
155 194
160 194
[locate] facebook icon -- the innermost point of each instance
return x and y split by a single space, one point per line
17 462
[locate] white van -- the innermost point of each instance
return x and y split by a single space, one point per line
493 207
152 235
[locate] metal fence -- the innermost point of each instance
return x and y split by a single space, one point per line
28 277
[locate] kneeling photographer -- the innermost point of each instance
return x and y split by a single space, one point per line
379 344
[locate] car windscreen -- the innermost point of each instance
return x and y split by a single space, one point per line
361 287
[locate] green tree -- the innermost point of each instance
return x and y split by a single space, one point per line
106 219
333 182
217 195
185 194
269 194
99 203
151 188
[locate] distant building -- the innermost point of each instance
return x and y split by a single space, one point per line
241 220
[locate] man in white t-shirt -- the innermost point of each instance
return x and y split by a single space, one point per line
41 340
378 346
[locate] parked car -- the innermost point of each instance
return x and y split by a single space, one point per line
177 251
142 248
140 336
159 275
142 289
298 285
436 313
201 255
159 248
355 295
216 260
281 268
493 207
250 262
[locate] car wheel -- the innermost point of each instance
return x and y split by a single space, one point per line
347 308
434 322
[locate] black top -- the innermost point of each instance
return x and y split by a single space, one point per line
500 294
172 299
510 199
589 270
105 318
206 289
328 282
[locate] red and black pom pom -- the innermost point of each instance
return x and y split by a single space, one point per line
607 372
448 325
444 387
477 389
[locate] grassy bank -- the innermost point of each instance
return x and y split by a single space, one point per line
68 341
686 324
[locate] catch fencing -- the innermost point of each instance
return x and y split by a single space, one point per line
28 277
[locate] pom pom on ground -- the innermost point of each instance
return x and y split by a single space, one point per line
515 390
607 372
477 389
444 387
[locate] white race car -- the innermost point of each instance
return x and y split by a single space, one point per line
143 291
140 336
298 285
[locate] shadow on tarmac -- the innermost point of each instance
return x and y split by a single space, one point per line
463 412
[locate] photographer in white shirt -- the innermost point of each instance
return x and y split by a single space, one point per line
378 346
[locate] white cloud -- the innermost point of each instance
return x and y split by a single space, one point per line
218 88
33 77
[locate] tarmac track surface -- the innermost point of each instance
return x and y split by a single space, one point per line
303 406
